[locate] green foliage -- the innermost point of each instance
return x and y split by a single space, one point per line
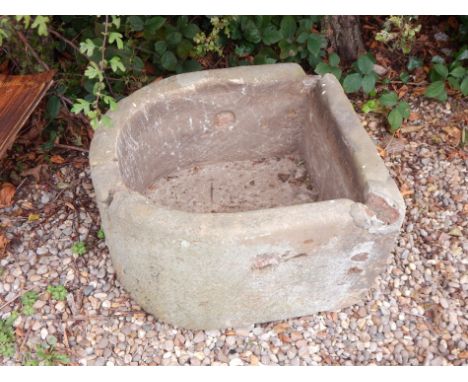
79 248
453 75
332 66
399 32
7 336
46 355
115 55
100 234
388 103
58 292
271 39
28 299
364 76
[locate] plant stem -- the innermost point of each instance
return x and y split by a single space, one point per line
24 40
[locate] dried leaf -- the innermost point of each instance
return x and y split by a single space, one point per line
33 217
414 116
281 327
7 191
35 172
454 134
382 152
71 206
405 190
3 244
57 159
284 338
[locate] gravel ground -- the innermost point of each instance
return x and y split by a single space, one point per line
415 315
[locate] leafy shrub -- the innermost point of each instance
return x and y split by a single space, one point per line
331 67
58 292
453 75
364 77
79 248
28 299
399 32
7 336
48 356
398 110
388 104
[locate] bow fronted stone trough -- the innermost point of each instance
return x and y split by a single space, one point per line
243 195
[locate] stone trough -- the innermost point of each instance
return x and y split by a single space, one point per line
244 195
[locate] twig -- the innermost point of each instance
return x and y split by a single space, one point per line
33 52
67 41
20 185
62 146
103 58
15 298
409 83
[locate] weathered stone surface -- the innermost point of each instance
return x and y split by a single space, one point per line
212 270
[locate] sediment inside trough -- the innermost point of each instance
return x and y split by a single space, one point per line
235 186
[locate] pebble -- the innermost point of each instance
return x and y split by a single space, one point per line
42 250
415 314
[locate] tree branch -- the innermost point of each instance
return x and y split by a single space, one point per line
24 40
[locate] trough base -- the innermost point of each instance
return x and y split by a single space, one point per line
236 186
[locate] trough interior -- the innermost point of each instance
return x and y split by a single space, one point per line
235 146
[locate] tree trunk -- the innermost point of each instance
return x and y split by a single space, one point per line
344 34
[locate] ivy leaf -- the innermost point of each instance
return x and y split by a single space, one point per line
136 23
352 83
322 68
413 63
334 59
365 64
169 61
287 49
395 119
252 33
454 83
437 60
190 30
93 71
336 72
53 107
436 90
458 72
464 86
184 48
40 23
117 37
154 23
116 64
404 109
87 47
368 83
81 105
441 69
313 44
288 26
174 38
462 55
404 77
370 106
389 99
160 47
302 38
271 35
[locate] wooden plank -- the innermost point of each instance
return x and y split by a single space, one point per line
19 96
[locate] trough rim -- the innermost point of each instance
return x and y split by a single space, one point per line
383 208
